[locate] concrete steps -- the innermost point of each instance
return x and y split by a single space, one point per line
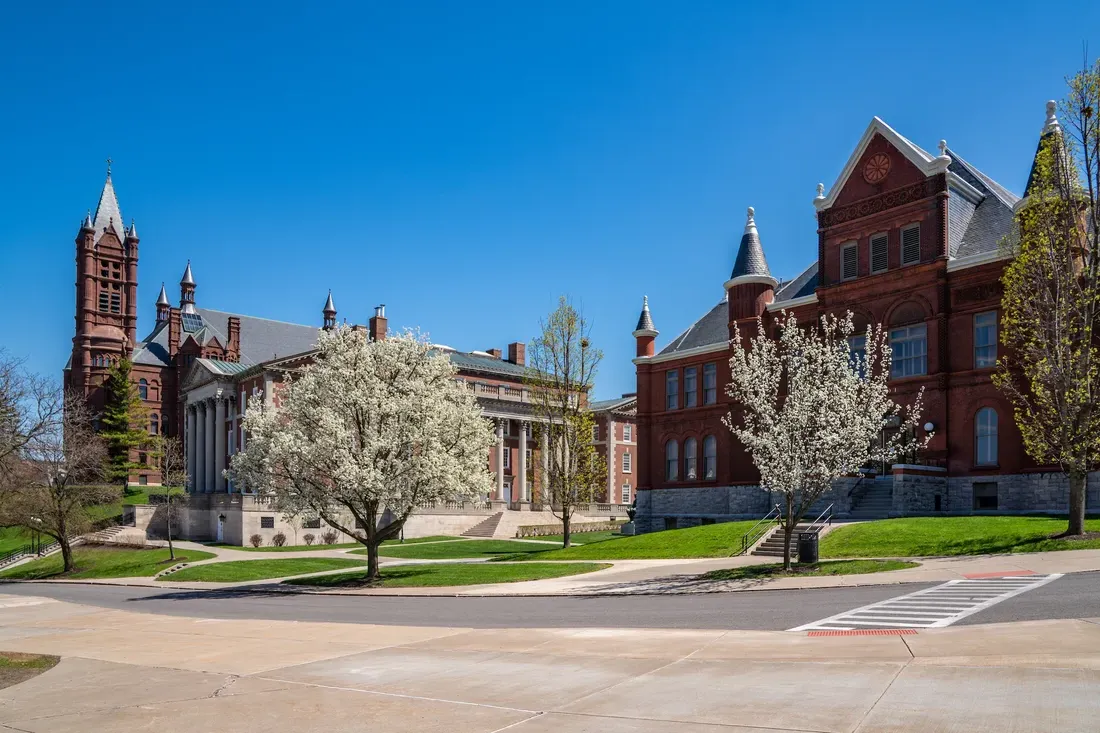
772 546
876 502
486 528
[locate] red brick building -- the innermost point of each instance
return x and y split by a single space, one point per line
615 438
908 239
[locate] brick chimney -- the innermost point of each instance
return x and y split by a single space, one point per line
233 348
495 353
174 331
517 353
378 324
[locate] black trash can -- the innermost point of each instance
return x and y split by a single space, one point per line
807 547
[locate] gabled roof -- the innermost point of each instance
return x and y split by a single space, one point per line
711 329
261 339
619 403
801 286
153 350
223 368
487 364
107 212
977 227
915 154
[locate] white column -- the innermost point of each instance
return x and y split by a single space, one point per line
544 449
200 447
219 445
523 424
189 431
211 431
610 460
500 460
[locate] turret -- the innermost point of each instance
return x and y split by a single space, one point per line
751 286
329 313
187 291
164 308
645 334
1051 134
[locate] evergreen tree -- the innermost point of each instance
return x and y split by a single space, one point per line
122 424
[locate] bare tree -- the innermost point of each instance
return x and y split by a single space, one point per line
1051 306
561 372
56 486
168 453
30 407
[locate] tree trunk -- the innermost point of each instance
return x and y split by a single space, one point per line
372 561
565 517
788 527
1078 486
66 553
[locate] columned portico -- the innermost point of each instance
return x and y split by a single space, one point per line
211 431
199 476
611 460
522 457
500 459
219 443
544 454
190 431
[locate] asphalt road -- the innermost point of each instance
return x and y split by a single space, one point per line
1073 596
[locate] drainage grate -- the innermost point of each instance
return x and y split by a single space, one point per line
863 632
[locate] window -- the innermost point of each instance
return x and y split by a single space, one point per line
849 261
710 384
154 424
857 353
530 463
910 245
985 340
985 495
628 432
985 437
143 389
143 459
314 523
690 459
626 463
691 387
626 494
116 303
143 480
710 457
910 351
706 520
267 522
880 253
670 522
672 460
672 390
595 433
506 430
507 457
103 302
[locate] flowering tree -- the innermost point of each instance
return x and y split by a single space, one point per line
811 408
370 430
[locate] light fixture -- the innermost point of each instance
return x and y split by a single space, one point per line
929 427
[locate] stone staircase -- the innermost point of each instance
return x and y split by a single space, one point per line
486 528
104 536
876 502
772 546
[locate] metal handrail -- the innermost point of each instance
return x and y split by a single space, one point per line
828 510
748 540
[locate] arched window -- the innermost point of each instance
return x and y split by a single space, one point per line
143 389
690 459
710 457
985 437
672 460
154 424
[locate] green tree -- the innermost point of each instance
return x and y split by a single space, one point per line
122 425
1051 305
561 373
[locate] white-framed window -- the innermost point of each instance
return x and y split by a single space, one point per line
691 386
672 460
143 389
506 430
985 437
857 353
507 457
154 424
626 462
710 383
672 389
849 261
595 432
880 252
985 340
628 432
626 494
530 464
690 459
909 345
710 457
910 245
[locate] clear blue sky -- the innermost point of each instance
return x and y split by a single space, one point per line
466 163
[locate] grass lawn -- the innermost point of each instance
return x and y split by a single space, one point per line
937 536
16 667
834 567
13 538
240 570
290 548
582 538
104 562
418 540
712 540
419 576
459 549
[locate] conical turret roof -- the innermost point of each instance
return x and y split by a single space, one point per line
750 254
163 299
329 309
187 278
1052 134
645 320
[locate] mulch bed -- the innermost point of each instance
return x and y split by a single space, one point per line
16 667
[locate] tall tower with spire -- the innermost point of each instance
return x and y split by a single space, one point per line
106 293
751 286
329 313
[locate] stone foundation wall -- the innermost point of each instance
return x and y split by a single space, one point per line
915 493
689 507
1021 493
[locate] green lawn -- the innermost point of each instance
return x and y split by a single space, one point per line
834 567
712 540
459 549
938 536
237 571
586 538
13 538
103 562
289 548
417 576
418 540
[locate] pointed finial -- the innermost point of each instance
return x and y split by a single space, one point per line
87 221
943 147
645 325
133 230
820 191
750 222
1051 124
645 302
109 161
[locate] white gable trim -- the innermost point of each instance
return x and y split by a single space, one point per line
982 258
684 354
792 302
918 157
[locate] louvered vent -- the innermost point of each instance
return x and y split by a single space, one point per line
880 253
848 262
910 245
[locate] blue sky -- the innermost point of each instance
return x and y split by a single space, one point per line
466 163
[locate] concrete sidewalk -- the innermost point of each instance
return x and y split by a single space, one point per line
131 671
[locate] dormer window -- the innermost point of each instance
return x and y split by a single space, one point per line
849 261
910 245
880 253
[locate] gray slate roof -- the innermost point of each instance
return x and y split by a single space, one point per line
645 321
713 328
616 404
107 212
750 256
261 339
977 228
153 350
804 284
224 368
488 364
